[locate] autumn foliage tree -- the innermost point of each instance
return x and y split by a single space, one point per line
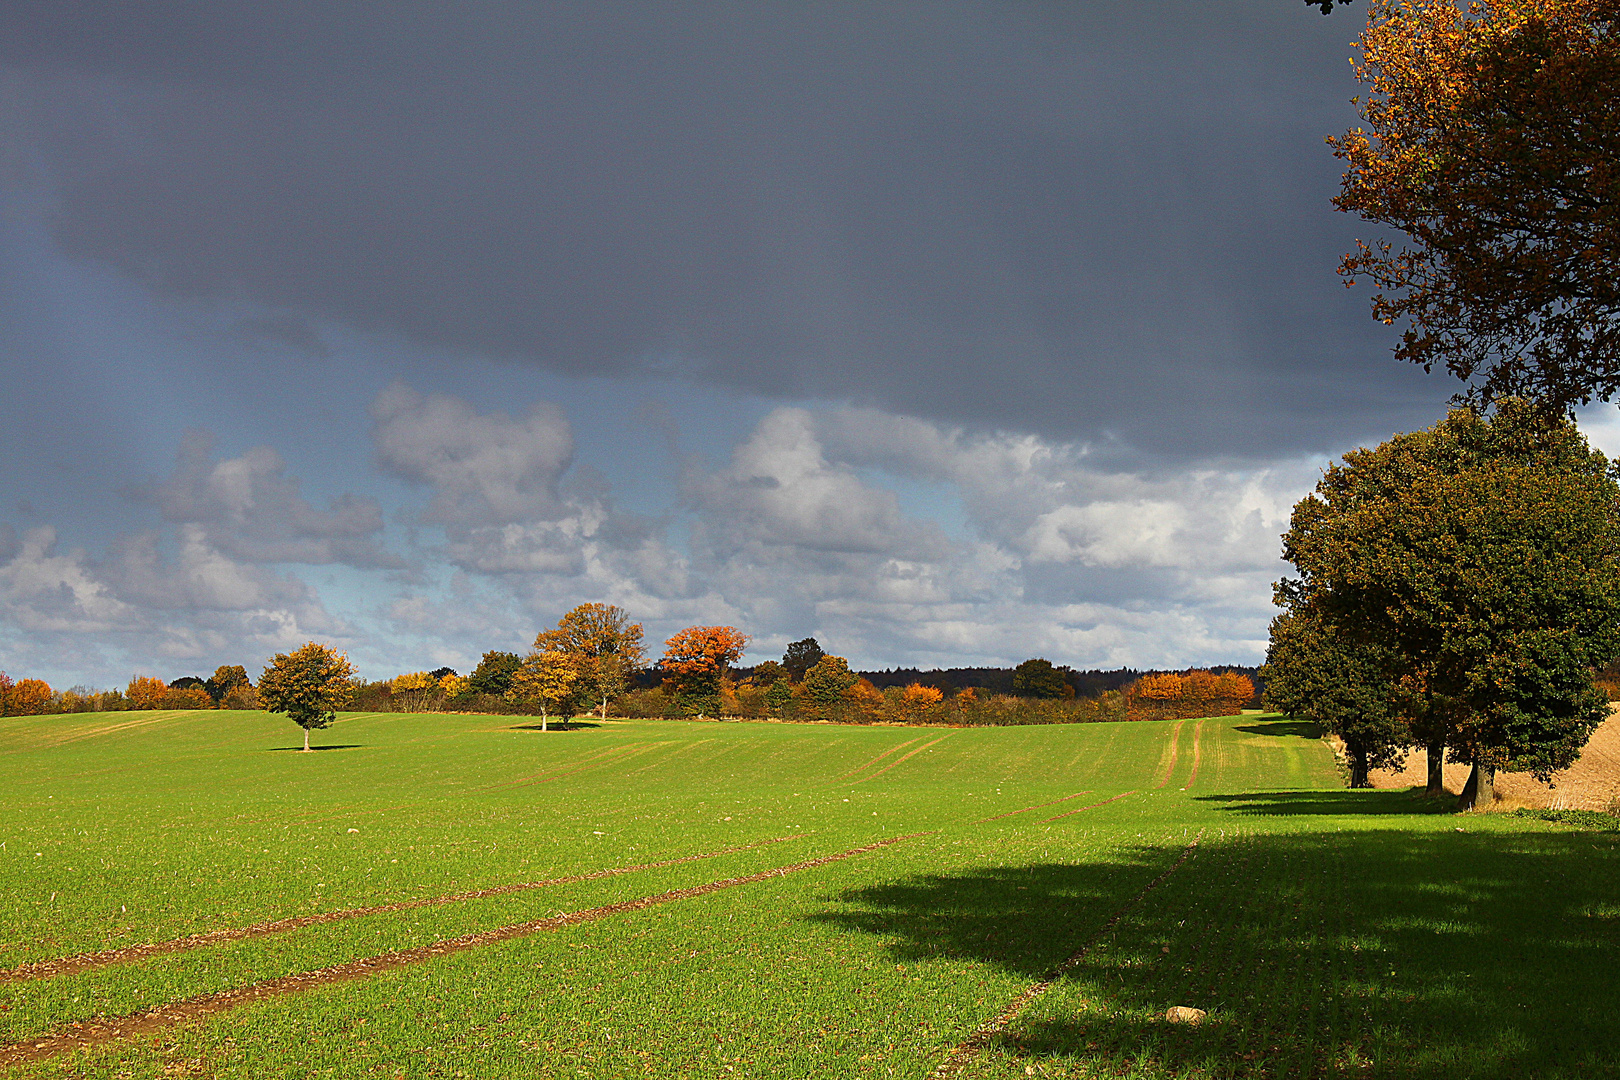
1172 696
146 692
606 648
1492 141
309 685
30 697
547 680
696 660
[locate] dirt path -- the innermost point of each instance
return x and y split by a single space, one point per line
867 765
136 1025
981 1036
1592 783
46 969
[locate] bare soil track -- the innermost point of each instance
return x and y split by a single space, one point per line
46 969
135 1025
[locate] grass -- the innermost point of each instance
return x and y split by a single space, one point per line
1326 932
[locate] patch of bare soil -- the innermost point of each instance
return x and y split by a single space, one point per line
135 1025
45 969
1592 783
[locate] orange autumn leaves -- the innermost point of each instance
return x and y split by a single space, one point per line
1170 696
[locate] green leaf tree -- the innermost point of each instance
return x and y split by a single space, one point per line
493 675
1039 679
800 657
310 685
825 683
225 679
1484 555
1316 673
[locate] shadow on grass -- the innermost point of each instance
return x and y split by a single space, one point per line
1299 729
329 746
1335 803
1420 953
557 725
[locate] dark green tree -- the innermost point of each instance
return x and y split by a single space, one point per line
1316 673
1039 679
768 673
493 675
800 657
825 683
1483 553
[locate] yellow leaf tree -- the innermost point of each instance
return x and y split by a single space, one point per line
547 681
310 685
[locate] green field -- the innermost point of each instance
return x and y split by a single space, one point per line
1326 932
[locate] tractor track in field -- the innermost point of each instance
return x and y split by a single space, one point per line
67 965
101 1032
1027 809
875 760
903 757
1093 806
980 1037
1173 753
1198 753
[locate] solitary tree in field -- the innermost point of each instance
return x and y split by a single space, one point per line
1492 141
605 645
697 658
547 681
1483 556
310 685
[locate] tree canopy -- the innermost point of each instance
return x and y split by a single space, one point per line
801 656
606 648
1492 141
696 659
1037 678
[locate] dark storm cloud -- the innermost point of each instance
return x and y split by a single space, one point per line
1070 219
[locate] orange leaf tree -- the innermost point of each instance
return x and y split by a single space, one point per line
1492 141
145 692
309 684
30 697
697 658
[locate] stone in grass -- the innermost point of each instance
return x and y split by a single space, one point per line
1182 1014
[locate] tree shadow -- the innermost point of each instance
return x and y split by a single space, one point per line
1360 803
328 746
558 725
1299 729
1426 954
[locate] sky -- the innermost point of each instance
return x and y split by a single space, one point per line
947 333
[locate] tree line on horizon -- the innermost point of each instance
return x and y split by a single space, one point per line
594 659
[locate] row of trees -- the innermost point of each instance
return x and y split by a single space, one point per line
1457 587
228 688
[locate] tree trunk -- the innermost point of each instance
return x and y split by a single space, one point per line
1358 766
604 706
542 718
1437 774
1480 791
306 740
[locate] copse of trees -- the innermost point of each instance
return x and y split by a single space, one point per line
1474 569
